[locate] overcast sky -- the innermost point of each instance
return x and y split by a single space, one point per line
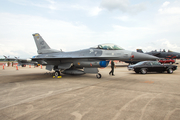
78 24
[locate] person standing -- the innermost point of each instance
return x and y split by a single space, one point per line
8 63
112 68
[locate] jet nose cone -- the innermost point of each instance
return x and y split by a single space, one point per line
143 57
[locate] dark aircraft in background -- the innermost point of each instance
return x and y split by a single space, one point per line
82 61
166 57
162 54
21 62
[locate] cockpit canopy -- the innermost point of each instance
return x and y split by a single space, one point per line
108 46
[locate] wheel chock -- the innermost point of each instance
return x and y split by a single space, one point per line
57 77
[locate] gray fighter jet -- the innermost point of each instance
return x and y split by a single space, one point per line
82 61
162 54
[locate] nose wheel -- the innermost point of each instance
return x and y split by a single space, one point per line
98 75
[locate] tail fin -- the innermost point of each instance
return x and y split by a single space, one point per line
5 56
42 46
139 50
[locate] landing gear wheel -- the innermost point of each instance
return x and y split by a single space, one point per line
143 71
98 75
56 74
170 70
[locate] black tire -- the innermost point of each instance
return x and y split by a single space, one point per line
170 71
98 75
160 71
57 73
137 72
143 71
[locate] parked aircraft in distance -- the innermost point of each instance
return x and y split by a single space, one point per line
82 61
22 62
162 54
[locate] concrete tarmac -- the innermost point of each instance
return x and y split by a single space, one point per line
29 94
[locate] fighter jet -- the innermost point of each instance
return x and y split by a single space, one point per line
162 54
21 62
82 61
9 58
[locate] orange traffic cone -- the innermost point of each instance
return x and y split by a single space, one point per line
29 66
16 67
3 66
41 66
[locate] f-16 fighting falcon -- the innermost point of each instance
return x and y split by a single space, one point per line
82 61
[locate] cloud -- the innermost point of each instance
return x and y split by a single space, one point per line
51 1
149 37
49 4
165 4
168 17
115 4
4 50
91 10
95 11
131 33
168 45
55 6
170 8
122 5
58 34
157 45
123 18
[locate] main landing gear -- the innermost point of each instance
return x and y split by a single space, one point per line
57 74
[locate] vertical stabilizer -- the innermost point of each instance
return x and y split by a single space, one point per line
42 46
